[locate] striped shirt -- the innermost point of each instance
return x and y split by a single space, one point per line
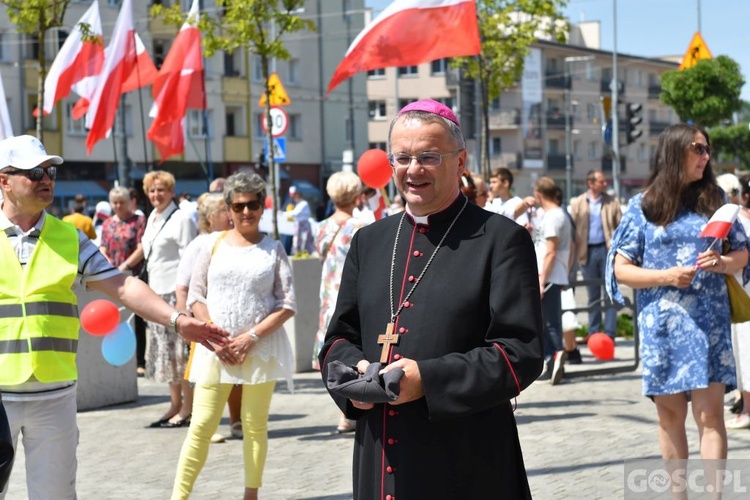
92 266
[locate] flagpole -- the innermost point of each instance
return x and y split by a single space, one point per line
140 106
209 160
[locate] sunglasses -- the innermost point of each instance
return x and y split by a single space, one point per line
700 149
240 207
426 159
36 173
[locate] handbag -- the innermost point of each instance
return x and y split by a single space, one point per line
739 300
143 275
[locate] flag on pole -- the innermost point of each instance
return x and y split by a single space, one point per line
411 32
76 60
178 86
721 222
124 56
6 128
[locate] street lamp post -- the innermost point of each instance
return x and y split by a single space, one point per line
568 131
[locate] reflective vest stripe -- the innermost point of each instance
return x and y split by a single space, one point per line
38 344
39 308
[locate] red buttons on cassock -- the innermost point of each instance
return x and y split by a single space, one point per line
396 357
392 413
391 441
389 469
390 497
417 253
412 278
407 304
402 330
422 230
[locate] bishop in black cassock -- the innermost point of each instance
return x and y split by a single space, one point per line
473 327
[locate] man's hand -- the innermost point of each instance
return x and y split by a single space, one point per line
411 383
361 368
200 332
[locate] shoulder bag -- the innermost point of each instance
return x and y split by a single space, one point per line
143 275
739 300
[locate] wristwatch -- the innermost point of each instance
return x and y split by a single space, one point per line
173 321
253 336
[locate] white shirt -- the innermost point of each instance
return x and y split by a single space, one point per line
507 208
554 224
164 248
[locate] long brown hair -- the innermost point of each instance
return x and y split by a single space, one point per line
666 191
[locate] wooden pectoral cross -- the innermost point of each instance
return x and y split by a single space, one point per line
387 340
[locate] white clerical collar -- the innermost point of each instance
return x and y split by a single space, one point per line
425 219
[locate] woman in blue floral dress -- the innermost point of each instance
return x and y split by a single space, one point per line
683 307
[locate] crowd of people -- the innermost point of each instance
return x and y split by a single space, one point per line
218 291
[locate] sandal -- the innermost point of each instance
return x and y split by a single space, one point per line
236 429
346 425
742 421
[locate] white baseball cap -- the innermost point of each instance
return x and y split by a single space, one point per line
24 152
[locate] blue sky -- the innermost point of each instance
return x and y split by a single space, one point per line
654 28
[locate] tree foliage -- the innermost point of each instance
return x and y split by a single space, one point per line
36 17
732 142
705 94
507 29
257 26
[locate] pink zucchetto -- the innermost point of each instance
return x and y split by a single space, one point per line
431 106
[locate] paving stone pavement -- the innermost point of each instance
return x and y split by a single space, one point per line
575 437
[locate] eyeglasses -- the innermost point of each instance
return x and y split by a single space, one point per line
700 149
426 159
240 207
36 173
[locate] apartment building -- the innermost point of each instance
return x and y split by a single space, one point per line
231 138
527 124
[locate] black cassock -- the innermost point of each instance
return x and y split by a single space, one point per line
473 325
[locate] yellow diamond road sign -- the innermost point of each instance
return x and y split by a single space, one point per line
279 97
696 51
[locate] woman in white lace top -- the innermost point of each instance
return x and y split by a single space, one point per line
243 283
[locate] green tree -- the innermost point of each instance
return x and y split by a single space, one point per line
256 26
36 17
732 142
705 94
507 29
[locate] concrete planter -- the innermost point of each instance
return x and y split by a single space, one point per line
302 327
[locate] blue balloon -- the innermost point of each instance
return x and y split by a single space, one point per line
119 346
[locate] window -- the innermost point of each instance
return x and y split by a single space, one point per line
639 77
592 150
577 149
653 80
160 52
448 101
233 63
404 102
552 66
376 73
2 47
554 146
293 76
496 146
75 127
495 104
378 145
257 69
62 35
196 125
234 122
652 115
295 127
118 122
641 152
377 110
590 71
113 3
258 129
591 114
407 71
439 66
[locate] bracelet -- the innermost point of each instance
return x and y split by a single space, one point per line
253 336
173 321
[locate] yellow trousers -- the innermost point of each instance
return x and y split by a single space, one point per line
208 406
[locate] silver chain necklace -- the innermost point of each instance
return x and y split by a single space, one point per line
419 278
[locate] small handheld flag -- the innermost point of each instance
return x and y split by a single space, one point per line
721 222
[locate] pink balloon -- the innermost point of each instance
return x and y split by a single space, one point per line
100 317
601 346
374 169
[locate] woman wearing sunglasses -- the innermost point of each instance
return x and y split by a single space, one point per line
683 310
243 282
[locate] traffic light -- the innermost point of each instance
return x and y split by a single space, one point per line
633 113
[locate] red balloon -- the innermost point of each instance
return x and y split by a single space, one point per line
100 317
601 346
374 169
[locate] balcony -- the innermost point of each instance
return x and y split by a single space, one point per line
604 87
452 76
556 119
234 89
654 91
237 149
512 161
607 165
655 128
504 118
557 80
557 162
157 27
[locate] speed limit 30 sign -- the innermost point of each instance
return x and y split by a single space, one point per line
279 122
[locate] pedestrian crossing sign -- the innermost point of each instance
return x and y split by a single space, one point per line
696 51
279 97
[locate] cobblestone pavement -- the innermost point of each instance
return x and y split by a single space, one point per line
575 437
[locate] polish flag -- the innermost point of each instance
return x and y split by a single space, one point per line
6 128
126 66
178 86
411 32
76 60
721 222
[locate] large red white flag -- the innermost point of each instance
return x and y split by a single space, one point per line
76 60
411 32
6 128
124 57
721 222
178 86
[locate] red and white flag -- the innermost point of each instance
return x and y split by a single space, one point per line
126 66
721 222
76 60
178 86
411 32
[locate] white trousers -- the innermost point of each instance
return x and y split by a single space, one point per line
50 437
